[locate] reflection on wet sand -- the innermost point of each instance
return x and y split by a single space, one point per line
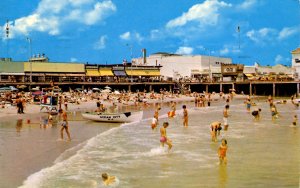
19 126
223 176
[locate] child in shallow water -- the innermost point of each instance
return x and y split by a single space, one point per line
108 180
222 152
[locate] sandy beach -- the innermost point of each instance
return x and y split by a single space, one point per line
25 147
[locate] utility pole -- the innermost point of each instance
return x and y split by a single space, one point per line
130 46
30 55
7 38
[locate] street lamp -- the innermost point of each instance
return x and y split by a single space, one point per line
30 54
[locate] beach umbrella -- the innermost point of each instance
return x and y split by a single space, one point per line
96 89
107 87
116 92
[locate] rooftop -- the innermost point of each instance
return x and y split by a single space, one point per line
296 51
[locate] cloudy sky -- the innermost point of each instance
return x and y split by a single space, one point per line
108 31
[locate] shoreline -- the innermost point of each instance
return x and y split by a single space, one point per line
39 148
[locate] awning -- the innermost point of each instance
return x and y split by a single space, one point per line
143 72
120 73
106 72
74 74
12 73
92 72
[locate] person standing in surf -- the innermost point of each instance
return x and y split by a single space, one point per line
215 129
163 136
222 152
172 112
154 123
156 112
225 117
65 125
185 116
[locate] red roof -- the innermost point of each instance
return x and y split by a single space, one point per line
297 51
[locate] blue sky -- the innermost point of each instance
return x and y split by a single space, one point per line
108 31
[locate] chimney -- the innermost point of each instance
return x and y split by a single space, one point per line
144 56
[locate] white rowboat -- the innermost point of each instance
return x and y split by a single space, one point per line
114 117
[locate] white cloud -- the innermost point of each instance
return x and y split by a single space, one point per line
99 11
131 36
247 4
184 50
224 51
262 35
51 16
206 13
287 32
80 2
125 36
73 59
278 59
101 43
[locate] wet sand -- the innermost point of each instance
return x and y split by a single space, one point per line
26 147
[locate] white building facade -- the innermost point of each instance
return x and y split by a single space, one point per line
184 66
296 62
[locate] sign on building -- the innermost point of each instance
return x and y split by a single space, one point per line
232 69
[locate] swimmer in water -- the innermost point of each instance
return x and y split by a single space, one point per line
185 116
256 114
163 136
248 104
108 180
222 152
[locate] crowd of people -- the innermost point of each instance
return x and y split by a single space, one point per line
141 99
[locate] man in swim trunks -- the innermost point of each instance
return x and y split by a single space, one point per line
163 136
65 125
222 152
225 117
185 116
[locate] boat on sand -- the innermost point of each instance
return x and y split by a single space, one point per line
113 117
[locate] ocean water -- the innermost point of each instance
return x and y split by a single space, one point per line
260 154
